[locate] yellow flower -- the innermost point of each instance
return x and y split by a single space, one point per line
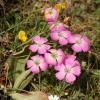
64 5
58 6
61 5
22 36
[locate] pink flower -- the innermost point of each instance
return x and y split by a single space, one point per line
51 14
61 36
57 26
54 56
68 70
37 64
80 43
39 45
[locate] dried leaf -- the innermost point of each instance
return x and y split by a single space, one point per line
31 96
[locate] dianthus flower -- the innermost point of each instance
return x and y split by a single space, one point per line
54 56
61 36
39 45
51 14
80 43
57 26
36 64
68 70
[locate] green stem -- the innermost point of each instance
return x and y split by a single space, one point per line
39 76
24 43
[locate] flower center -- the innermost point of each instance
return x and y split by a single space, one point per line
78 42
54 55
60 34
56 23
37 62
67 70
39 44
50 11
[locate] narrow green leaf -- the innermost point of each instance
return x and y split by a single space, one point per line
21 78
96 72
16 66
25 82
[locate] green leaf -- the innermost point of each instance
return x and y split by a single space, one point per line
25 82
17 73
96 72
21 78
97 1
19 66
16 66
97 12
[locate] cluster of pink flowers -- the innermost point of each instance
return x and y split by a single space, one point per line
67 67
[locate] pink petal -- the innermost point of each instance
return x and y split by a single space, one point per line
43 66
33 48
43 40
68 66
37 57
29 63
60 75
53 16
85 46
63 41
61 56
60 67
74 38
60 52
77 36
70 78
71 57
54 36
35 69
42 50
86 39
76 63
49 59
76 70
40 57
50 23
60 26
66 33
36 39
60 59
77 48
47 46
70 60
71 39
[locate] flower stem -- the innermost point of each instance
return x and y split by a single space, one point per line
39 76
